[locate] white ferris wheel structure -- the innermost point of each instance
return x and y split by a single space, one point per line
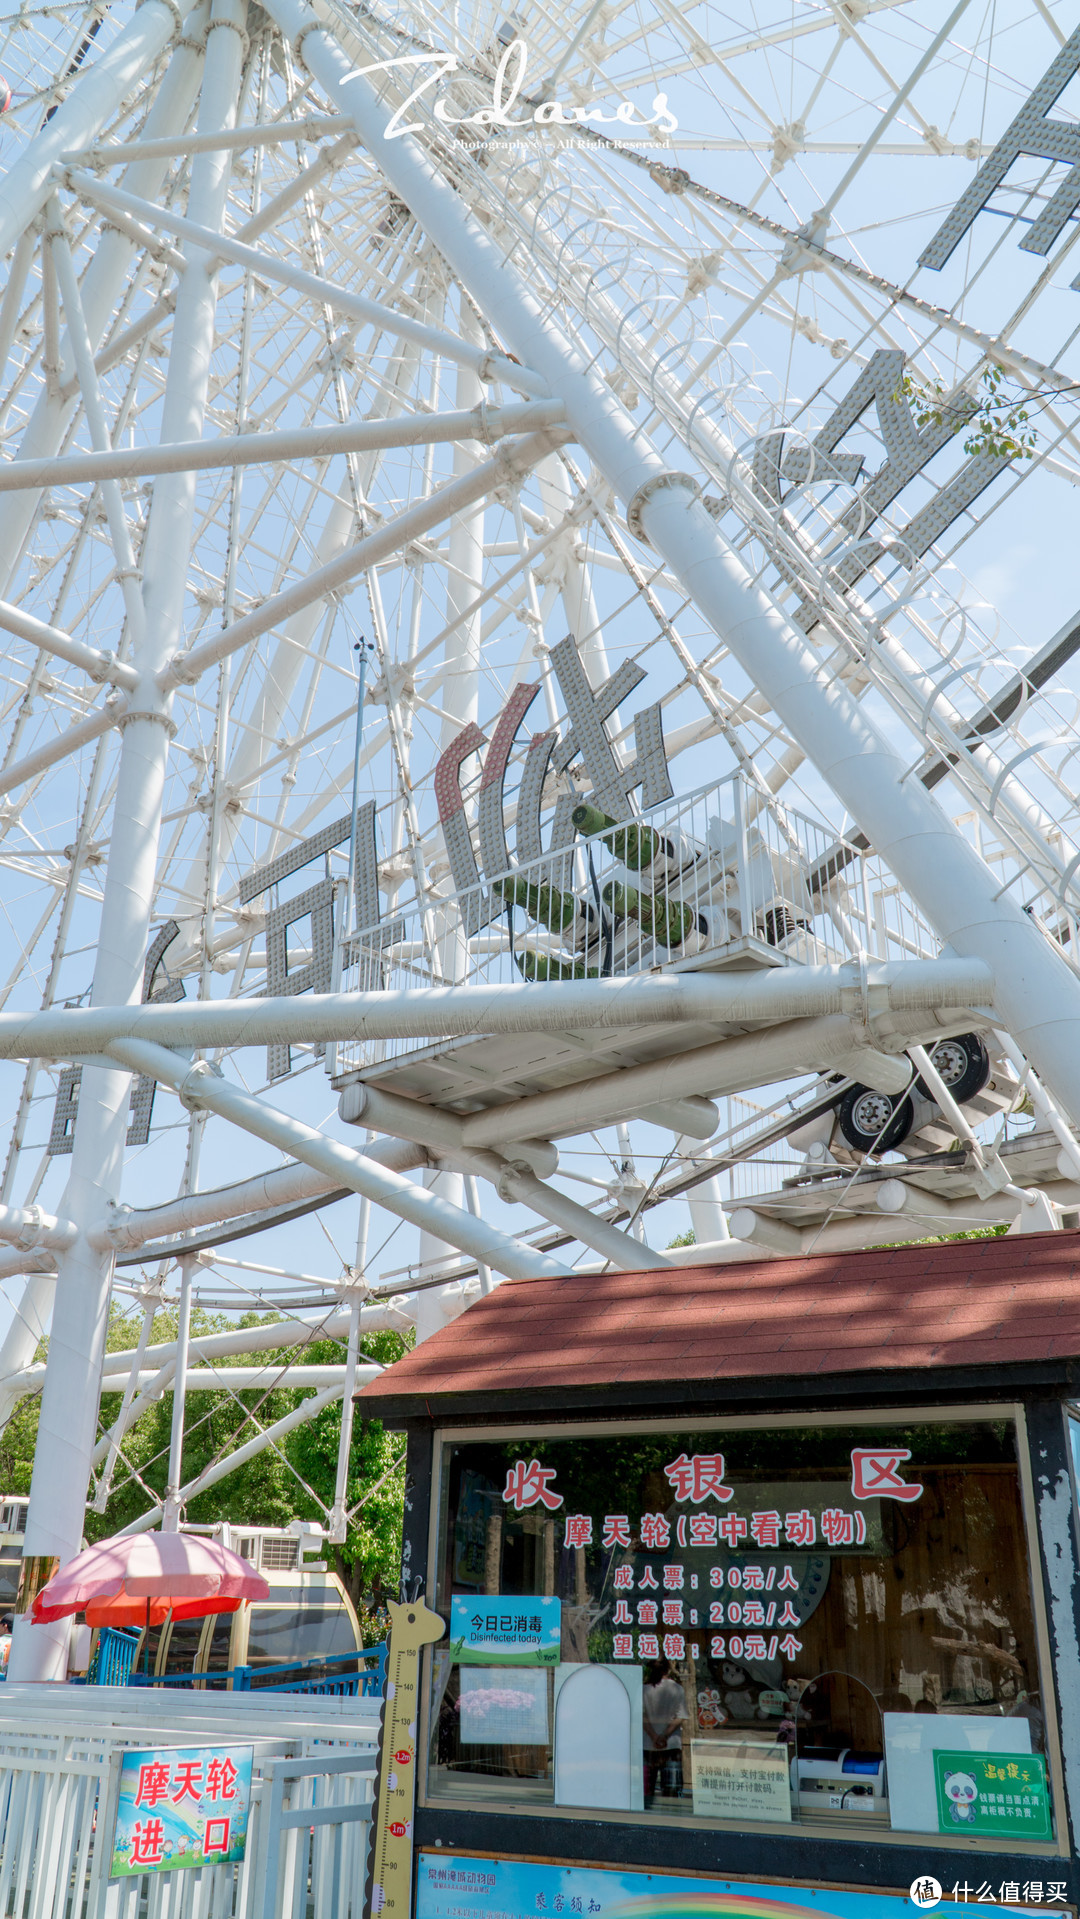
503 723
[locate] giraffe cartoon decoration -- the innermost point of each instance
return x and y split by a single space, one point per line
389 1886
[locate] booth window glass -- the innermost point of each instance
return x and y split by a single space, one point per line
829 1626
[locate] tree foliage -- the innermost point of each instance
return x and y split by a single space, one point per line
271 1489
1000 425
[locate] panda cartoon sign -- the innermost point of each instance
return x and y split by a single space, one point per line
961 1792
993 1792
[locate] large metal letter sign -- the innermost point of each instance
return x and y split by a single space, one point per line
584 738
494 851
477 908
142 1093
587 737
1032 132
373 934
908 449
317 904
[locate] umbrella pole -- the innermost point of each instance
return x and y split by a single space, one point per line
146 1654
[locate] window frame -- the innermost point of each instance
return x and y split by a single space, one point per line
965 1413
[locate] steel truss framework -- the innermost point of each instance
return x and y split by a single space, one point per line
374 381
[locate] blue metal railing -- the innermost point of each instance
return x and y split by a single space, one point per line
325 1676
114 1656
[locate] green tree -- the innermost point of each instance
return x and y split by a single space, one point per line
1000 425
269 1490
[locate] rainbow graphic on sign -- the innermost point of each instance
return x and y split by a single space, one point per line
447 1882
677 1903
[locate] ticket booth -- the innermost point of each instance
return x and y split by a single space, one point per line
761 1584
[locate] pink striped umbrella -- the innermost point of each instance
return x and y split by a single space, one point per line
181 1569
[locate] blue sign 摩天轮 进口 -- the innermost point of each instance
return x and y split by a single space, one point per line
500 1631
181 1806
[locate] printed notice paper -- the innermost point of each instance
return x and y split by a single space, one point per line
740 1782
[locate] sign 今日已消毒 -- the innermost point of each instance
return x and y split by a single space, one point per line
502 1631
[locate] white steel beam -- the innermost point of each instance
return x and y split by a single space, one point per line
122 154
515 1179
173 1510
307 1409
108 1446
96 665
250 1379
829 1043
149 1385
184 668
28 1226
200 1086
1037 993
128 1393
338 1529
486 365
68 1417
98 93
483 423
103 282
439 1012
128 1228
513 460
333 1324
70 741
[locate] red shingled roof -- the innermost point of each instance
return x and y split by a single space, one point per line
968 1303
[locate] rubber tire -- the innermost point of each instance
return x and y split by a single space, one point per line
864 1142
974 1075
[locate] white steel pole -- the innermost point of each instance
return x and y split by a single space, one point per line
54 407
486 365
1038 994
307 1409
339 1520
575 582
28 1327
69 1401
100 91
513 1178
170 1518
295 634
486 425
200 1085
472 1201
130 1227
461 654
707 1215
339 1516
364 650
108 1446
893 987
130 1390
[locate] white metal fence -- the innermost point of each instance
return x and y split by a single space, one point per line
307 1832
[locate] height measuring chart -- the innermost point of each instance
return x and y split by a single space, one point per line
390 1858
